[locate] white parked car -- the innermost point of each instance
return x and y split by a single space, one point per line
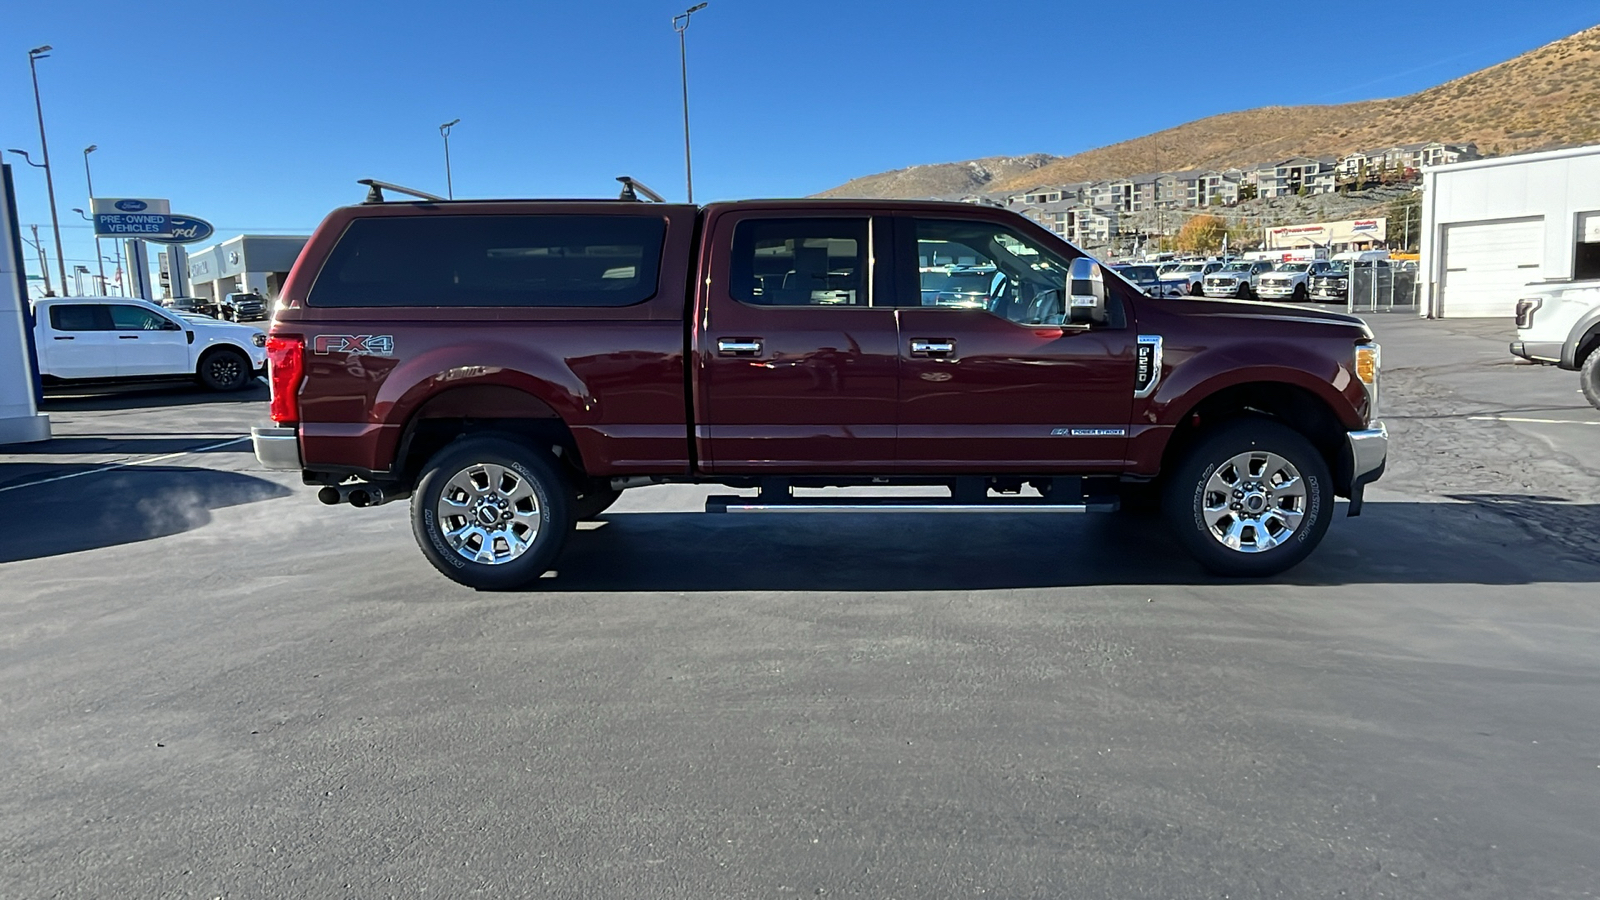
1236 279
1558 324
97 339
1186 277
1290 280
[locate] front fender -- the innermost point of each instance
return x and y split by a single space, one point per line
1191 377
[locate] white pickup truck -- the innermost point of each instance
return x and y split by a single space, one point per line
1558 324
95 339
1291 280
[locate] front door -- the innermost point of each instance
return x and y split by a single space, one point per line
148 343
992 376
796 362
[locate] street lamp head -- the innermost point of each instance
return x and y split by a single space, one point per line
450 123
39 52
90 149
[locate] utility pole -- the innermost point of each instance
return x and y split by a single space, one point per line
44 264
34 56
680 24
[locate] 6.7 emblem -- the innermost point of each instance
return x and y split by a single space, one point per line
369 344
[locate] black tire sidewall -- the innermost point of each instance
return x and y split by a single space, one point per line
1589 378
210 360
1182 497
553 495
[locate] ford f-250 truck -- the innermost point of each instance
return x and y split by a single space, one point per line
511 366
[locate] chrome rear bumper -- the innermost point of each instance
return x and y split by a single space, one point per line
276 448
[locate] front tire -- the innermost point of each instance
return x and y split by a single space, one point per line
1589 378
491 513
1251 499
1300 293
1243 293
224 370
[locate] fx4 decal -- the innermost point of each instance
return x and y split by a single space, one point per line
369 344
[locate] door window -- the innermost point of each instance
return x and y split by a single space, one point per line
133 318
981 265
80 317
800 262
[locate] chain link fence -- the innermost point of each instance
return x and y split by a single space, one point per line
1374 288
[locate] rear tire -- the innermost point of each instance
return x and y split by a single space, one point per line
491 513
1251 499
224 370
1589 378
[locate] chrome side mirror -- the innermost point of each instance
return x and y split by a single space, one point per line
1086 293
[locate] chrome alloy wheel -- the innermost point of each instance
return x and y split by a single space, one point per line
1254 502
488 513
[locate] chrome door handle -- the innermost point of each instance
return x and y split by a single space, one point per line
730 347
127 337
921 347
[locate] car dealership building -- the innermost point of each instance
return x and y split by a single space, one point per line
256 263
1491 226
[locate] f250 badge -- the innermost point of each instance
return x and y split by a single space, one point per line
1147 365
368 344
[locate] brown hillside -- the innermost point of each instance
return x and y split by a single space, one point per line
1546 97
944 179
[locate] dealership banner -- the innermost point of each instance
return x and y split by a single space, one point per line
1327 234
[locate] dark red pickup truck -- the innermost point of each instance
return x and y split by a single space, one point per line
513 365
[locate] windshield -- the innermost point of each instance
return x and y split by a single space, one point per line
1294 267
1236 267
1138 273
1335 269
1186 268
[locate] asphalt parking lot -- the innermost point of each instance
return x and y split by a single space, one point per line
214 686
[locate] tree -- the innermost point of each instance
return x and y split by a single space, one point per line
1202 234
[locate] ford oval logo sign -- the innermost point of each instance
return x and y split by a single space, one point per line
132 205
183 230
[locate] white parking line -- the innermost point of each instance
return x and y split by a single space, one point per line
124 465
1530 421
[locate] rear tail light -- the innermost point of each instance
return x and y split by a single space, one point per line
1526 307
286 366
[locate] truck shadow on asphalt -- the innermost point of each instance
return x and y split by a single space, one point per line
118 507
61 398
1482 539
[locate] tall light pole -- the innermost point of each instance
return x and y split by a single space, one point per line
34 56
90 179
680 24
444 132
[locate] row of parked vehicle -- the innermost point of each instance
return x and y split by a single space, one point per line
1245 279
243 306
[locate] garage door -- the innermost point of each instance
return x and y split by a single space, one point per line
1486 265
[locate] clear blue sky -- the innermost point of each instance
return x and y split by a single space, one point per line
261 116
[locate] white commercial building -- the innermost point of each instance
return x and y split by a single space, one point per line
249 263
1491 226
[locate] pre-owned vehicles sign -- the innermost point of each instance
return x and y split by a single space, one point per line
146 219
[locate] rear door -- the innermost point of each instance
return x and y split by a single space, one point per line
998 382
796 356
148 343
79 341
